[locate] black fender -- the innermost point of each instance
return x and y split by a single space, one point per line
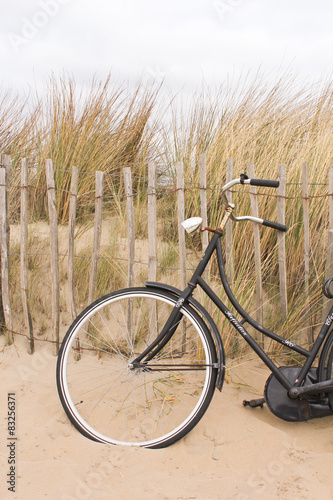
209 322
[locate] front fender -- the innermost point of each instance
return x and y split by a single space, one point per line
209 322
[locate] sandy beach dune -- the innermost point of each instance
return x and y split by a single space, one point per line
234 453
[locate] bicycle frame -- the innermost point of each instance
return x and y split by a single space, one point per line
197 280
158 397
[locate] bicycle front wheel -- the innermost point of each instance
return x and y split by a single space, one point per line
152 406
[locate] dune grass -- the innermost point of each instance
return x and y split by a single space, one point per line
266 125
107 127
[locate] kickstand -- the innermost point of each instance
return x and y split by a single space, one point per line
254 403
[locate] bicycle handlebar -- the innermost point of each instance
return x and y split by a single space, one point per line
253 182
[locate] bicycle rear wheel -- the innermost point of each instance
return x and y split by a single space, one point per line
152 406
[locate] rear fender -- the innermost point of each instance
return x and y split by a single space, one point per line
209 322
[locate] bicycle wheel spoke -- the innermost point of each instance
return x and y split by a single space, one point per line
178 397
106 344
157 419
125 416
117 410
90 401
144 398
121 327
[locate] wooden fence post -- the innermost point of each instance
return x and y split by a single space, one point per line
2 313
5 161
71 234
329 251
152 222
181 236
306 223
24 253
97 235
152 237
4 255
305 191
131 241
52 206
181 217
257 256
203 203
229 256
281 241
130 224
203 199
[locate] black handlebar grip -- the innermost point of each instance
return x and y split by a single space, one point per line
275 225
264 182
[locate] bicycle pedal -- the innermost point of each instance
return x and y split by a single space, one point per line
254 403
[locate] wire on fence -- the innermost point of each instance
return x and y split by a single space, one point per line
213 275
194 186
172 190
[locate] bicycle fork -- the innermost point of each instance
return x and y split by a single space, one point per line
166 334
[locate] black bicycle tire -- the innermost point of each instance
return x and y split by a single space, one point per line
322 376
122 293
328 372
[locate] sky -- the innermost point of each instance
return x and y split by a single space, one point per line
183 43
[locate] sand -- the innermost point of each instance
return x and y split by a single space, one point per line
233 453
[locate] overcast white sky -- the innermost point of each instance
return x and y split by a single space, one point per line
184 41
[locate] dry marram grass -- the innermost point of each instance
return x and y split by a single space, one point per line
108 127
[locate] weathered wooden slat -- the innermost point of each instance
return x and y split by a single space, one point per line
281 238
71 234
24 254
181 236
305 190
152 237
329 258
130 224
181 217
53 221
229 256
329 251
131 241
152 222
257 255
5 256
203 203
306 229
203 198
6 161
97 235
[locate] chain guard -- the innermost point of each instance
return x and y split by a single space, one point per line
295 410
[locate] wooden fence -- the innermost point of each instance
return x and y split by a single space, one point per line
5 176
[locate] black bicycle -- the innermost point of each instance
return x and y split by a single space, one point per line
139 366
